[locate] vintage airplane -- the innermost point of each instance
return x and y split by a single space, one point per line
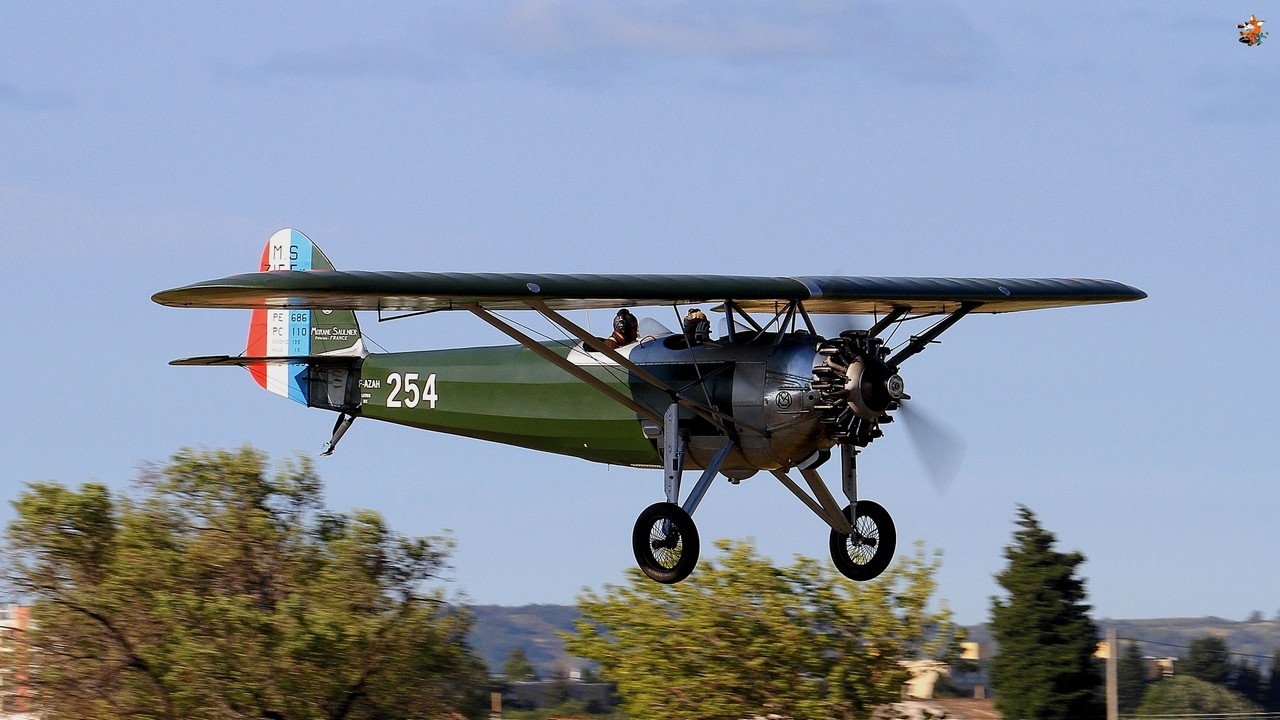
768 395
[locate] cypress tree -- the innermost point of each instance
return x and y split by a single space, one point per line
1247 680
1131 678
1044 669
1271 692
517 666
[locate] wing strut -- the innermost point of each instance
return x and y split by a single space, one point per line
563 364
731 308
711 414
598 345
887 320
919 342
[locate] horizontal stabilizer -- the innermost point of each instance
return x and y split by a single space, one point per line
245 360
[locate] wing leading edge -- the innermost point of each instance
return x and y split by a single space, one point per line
430 291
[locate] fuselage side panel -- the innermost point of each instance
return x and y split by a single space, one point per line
509 395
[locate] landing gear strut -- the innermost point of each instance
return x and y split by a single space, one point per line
863 538
665 540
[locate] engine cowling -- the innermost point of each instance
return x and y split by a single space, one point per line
811 393
773 390
804 392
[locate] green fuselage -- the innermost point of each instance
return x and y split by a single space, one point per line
507 395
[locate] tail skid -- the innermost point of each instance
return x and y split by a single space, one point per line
309 356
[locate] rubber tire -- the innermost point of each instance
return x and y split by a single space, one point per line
664 569
872 519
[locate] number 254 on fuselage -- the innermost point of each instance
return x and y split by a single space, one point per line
768 393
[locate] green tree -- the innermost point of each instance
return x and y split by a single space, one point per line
225 592
559 691
1131 678
1185 695
1246 680
517 666
743 636
1207 659
1044 669
1271 689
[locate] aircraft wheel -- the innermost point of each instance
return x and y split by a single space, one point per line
869 550
665 542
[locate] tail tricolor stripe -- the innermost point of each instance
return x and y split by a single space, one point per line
290 332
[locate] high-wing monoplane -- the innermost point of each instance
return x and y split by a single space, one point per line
768 393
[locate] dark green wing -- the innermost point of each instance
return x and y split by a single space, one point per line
428 291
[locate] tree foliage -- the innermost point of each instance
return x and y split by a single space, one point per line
1131 678
1208 660
1271 688
517 666
223 592
1045 668
1184 695
1246 680
743 636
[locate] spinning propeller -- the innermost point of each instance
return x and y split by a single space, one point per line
858 388
940 449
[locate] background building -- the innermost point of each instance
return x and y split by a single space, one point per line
15 690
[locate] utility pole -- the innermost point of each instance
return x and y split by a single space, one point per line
1113 689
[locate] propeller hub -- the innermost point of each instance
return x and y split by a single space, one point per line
856 386
872 388
895 387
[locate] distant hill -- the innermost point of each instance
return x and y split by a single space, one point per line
1166 637
1170 636
536 628
499 629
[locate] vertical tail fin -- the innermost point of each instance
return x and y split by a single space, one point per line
297 332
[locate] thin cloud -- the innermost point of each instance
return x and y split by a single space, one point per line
555 27
715 41
349 62
13 97
929 41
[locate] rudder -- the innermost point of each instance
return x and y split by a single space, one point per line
295 332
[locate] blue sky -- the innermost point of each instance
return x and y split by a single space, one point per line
147 146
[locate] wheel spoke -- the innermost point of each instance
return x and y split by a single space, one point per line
865 552
665 542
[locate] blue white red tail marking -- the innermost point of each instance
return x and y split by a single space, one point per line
295 332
